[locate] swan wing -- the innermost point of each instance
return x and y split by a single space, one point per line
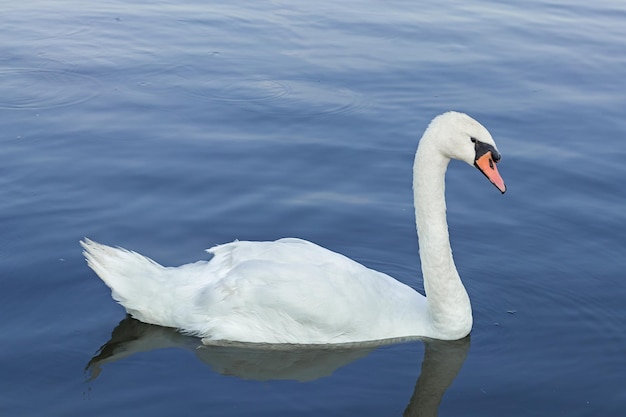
294 291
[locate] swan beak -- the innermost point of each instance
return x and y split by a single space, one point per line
487 166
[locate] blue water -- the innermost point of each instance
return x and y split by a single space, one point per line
169 127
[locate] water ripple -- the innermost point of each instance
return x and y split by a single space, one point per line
31 88
281 97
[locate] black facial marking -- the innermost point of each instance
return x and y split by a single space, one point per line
482 148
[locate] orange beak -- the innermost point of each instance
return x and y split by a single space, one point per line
487 166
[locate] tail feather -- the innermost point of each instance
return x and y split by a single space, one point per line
136 282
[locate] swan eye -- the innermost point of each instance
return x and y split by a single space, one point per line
473 140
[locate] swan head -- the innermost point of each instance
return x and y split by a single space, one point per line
463 138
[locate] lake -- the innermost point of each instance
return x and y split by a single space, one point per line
169 127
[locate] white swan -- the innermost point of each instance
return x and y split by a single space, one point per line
294 291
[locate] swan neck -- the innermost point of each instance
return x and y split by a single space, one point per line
430 213
448 302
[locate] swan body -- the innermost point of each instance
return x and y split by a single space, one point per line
294 291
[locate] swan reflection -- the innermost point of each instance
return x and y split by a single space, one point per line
440 366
